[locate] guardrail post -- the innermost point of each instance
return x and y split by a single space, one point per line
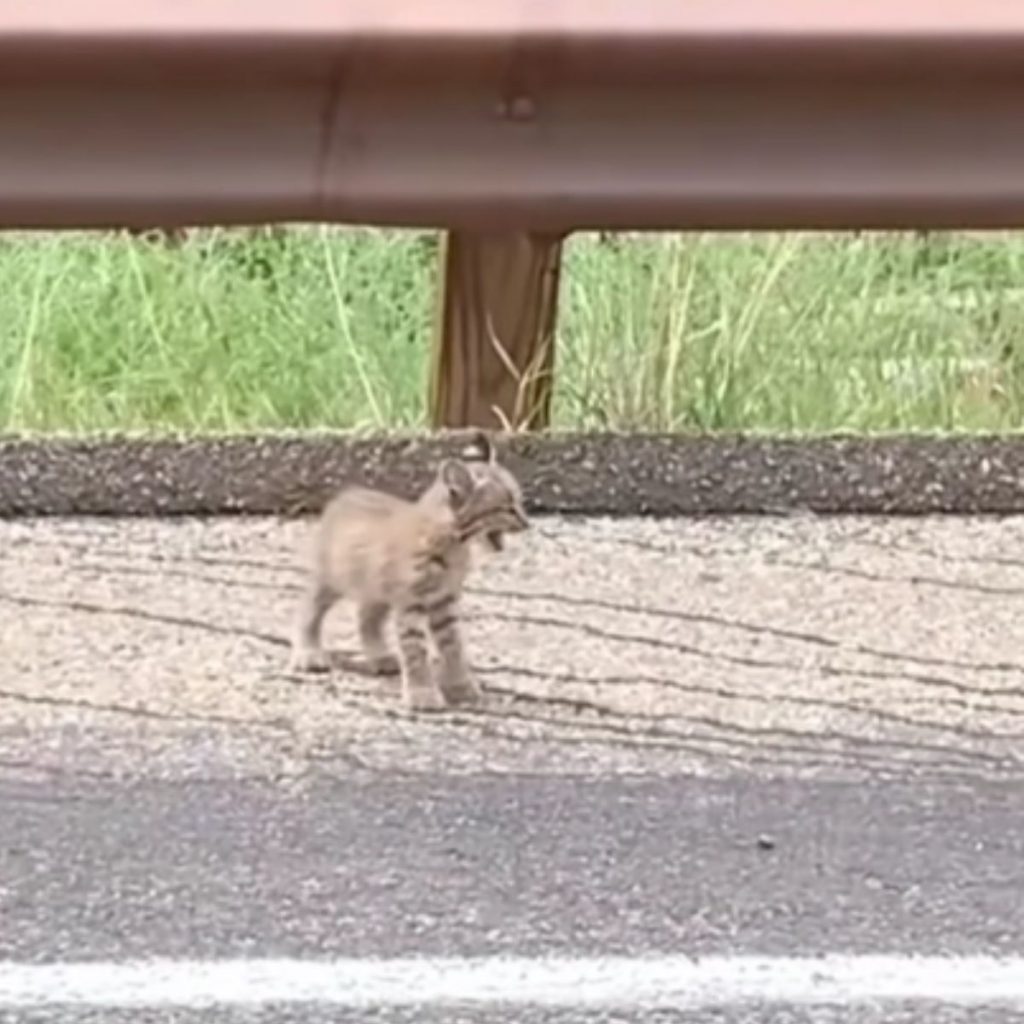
493 354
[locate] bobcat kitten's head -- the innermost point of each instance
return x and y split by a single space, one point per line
485 496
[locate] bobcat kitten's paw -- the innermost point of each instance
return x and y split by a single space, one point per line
461 690
384 665
308 659
425 699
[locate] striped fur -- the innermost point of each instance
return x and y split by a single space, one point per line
408 561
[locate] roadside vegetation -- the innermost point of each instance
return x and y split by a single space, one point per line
232 330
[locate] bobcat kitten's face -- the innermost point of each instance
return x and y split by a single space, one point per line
494 503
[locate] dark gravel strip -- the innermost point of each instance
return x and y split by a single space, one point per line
591 474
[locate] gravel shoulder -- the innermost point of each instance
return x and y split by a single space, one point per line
789 646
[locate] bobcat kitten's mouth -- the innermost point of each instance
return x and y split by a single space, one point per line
495 540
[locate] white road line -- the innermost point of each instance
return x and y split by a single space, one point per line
663 981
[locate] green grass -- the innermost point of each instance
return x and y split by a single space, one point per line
234 331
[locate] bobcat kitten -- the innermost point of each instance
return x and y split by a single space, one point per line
409 559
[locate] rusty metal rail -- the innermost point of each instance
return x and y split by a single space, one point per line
499 114
511 124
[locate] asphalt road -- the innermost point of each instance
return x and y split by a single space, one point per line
523 865
518 865
737 738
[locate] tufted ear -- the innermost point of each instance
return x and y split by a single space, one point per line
458 480
480 448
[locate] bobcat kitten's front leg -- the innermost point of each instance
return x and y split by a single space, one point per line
372 617
418 690
456 681
307 654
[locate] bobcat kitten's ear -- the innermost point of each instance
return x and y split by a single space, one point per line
458 480
480 448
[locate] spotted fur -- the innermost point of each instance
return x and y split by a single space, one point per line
408 561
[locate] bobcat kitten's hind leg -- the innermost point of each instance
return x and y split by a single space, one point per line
307 653
419 691
456 681
380 661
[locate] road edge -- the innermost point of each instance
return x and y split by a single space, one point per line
574 474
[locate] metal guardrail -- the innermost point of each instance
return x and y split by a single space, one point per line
496 114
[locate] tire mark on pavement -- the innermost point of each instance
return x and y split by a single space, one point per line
707 618
143 712
747 661
914 579
775 699
162 618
